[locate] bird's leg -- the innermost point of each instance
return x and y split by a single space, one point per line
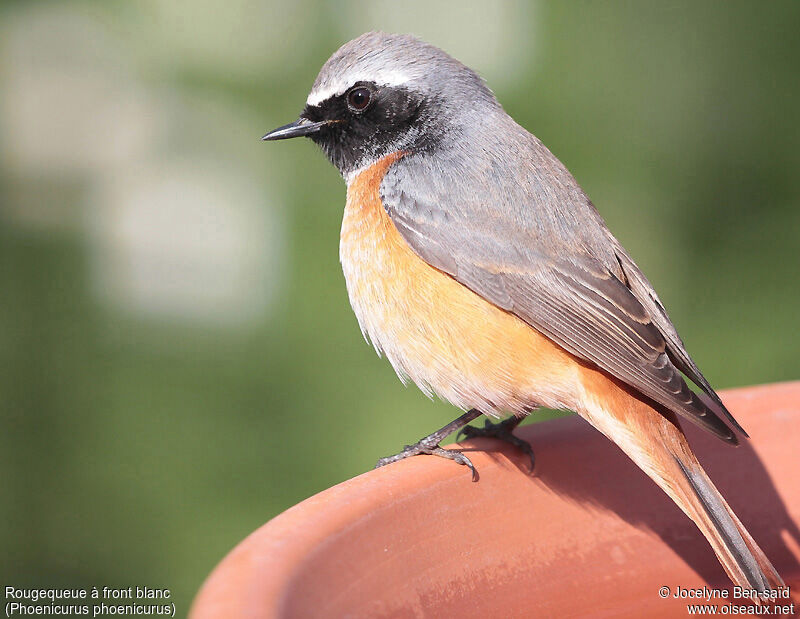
501 430
430 445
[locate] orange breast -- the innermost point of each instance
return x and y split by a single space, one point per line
435 331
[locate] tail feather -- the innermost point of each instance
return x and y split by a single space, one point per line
654 440
743 560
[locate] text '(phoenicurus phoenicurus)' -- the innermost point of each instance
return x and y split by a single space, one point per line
476 263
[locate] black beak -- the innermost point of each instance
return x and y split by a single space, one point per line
300 127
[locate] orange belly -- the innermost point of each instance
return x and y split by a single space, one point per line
435 331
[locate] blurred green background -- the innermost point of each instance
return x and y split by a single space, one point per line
178 359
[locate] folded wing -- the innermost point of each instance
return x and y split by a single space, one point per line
608 316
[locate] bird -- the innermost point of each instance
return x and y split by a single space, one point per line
477 265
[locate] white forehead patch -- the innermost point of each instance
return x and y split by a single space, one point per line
342 83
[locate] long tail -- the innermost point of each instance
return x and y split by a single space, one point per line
655 442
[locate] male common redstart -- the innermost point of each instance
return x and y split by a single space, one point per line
476 263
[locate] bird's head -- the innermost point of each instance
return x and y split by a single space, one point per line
382 93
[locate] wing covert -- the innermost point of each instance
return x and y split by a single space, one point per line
565 292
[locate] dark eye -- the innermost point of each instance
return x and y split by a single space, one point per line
358 99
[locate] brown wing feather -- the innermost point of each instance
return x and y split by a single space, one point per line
572 298
595 317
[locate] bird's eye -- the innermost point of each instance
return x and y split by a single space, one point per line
358 99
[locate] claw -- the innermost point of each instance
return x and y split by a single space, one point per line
432 450
502 431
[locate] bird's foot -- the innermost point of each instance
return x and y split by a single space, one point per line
426 447
502 430
430 445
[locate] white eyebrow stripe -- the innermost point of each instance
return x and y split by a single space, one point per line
387 78
315 98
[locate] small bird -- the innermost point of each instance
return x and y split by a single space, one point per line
476 263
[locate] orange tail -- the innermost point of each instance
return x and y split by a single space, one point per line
655 442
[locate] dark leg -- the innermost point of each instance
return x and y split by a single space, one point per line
430 445
501 430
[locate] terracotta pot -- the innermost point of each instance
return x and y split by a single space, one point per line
586 534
